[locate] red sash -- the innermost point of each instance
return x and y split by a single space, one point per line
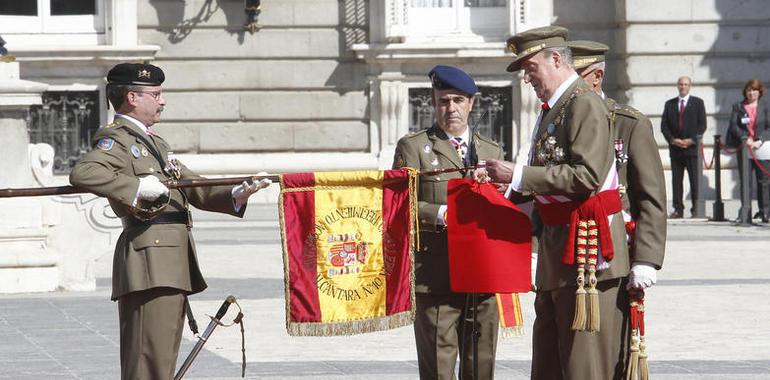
598 208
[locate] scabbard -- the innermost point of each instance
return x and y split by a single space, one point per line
202 339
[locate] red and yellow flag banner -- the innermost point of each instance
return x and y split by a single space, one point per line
347 245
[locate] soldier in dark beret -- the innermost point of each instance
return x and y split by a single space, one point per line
643 191
441 320
582 253
155 266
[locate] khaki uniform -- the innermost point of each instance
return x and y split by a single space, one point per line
440 312
640 173
154 265
578 125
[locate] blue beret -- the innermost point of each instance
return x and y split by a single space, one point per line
139 74
445 77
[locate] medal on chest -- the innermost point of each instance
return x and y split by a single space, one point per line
620 156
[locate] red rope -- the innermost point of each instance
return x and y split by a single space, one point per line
724 149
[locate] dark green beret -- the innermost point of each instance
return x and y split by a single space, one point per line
135 74
531 41
586 53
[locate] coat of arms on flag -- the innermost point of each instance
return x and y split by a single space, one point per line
347 245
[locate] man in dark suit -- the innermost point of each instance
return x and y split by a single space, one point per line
683 123
441 321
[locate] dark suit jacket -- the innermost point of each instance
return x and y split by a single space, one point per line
694 125
428 150
737 130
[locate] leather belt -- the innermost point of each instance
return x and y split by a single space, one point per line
177 217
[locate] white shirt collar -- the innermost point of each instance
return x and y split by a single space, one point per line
561 89
686 98
466 135
133 121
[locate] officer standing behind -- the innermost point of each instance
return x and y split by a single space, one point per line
640 174
571 168
682 124
155 266
442 316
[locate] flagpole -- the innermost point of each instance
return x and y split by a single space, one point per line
178 184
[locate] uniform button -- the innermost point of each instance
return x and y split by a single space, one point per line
152 169
438 178
157 241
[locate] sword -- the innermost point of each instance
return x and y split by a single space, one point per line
202 339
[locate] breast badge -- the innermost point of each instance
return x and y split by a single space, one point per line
427 148
135 151
549 153
105 143
620 157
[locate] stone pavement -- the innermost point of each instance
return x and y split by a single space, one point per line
707 317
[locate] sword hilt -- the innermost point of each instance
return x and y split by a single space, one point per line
225 305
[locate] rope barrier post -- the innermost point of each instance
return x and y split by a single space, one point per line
718 209
700 203
744 215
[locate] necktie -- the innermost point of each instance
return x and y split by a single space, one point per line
460 146
545 107
681 113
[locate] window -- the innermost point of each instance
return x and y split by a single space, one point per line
78 21
485 19
491 114
66 120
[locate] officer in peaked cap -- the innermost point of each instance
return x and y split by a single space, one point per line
155 265
569 165
441 313
643 192
529 42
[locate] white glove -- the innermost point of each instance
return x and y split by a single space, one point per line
150 188
642 276
242 192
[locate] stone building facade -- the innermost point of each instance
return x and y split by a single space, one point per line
333 84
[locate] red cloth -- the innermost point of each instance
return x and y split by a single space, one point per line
490 240
597 208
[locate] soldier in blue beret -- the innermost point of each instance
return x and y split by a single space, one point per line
442 316
155 266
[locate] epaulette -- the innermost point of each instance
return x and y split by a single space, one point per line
486 139
628 111
415 133
112 125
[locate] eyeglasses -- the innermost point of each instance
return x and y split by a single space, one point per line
155 94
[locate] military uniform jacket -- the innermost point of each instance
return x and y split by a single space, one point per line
643 187
429 150
577 127
157 255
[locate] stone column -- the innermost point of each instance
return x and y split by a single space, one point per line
26 265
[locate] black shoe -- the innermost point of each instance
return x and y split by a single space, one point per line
675 215
759 215
764 218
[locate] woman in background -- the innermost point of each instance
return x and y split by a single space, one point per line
749 120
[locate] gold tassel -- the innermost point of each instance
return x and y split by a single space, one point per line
594 316
644 369
633 360
579 321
